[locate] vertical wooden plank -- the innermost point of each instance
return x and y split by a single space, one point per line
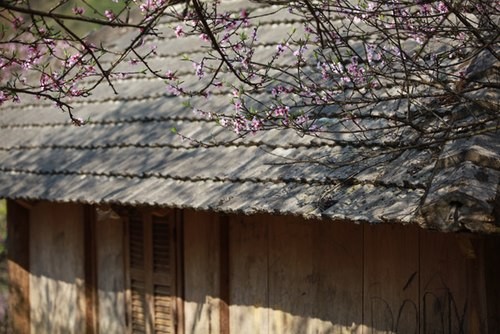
90 264
18 264
249 293
476 292
224 287
391 279
57 290
179 264
111 264
338 277
201 272
128 286
148 272
451 284
291 277
492 277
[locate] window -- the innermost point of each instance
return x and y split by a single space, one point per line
151 272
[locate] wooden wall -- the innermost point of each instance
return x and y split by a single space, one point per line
111 313
271 274
202 273
57 296
287 275
18 265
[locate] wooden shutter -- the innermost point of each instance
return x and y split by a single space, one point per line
151 272
163 274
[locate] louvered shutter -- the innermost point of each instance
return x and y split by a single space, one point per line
151 273
137 274
163 274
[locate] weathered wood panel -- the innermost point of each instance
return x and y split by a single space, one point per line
90 269
224 281
110 268
287 275
391 300
201 272
452 284
57 270
18 263
291 275
249 312
338 272
492 277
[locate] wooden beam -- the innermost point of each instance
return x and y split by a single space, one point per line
18 264
90 267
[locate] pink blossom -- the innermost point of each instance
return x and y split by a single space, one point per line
3 97
199 69
77 121
170 75
17 22
90 69
179 32
256 124
356 71
151 5
75 92
243 14
109 15
204 37
282 111
73 60
280 49
442 8
78 10
425 9
239 125
302 119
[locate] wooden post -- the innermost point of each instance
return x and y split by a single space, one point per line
18 263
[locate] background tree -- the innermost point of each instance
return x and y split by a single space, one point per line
393 75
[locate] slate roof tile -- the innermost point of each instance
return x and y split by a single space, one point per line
128 154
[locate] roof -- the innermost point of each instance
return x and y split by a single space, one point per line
128 154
